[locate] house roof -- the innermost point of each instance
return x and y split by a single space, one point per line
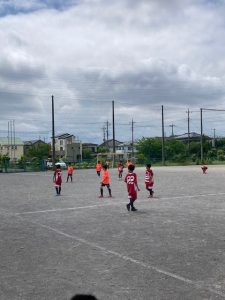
89 145
192 135
6 141
64 136
109 143
32 142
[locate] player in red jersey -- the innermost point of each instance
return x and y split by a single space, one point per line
132 187
204 168
120 169
57 179
149 181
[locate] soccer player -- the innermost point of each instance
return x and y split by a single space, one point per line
120 169
204 168
132 187
129 162
69 172
105 181
98 168
57 179
149 181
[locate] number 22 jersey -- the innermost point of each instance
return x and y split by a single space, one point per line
131 181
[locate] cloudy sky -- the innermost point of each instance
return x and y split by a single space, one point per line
87 53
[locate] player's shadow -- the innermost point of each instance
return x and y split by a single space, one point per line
83 297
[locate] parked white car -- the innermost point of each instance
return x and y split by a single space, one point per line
61 163
49 164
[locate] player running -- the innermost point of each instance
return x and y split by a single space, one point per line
132 187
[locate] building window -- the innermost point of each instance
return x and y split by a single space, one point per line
61 142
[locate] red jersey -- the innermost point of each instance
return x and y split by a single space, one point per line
58 177
131 181
149 178
120 167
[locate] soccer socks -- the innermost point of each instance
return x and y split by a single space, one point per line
110 193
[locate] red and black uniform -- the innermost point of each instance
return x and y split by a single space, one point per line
120 170
204 168
149 181
57 178
132 187
131 181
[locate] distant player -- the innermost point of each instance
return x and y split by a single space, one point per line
69 172
105 181
98 168
57 179
204 168
120 169
107 163
149 180
132 187
129 162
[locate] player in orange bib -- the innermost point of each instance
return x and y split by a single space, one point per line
105 181
98 168
69 172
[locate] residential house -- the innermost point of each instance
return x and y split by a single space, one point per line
14 148
126 151
92 147
32 144
123 150
109 144
66 146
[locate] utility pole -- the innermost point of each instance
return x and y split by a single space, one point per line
113 128
214 138
172 125
188 112
132 137
14 141
53 133
163 138
107 130
103 129
201 135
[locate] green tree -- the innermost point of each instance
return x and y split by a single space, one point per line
86 153
149 149
41 151
175 150
103 150
220 154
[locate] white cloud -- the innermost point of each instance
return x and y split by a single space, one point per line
140 53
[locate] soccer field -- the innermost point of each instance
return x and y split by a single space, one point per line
173 247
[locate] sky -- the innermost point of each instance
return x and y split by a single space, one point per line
87 53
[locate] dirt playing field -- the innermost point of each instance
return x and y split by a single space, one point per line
173 247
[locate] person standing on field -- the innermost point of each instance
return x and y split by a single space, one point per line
57 179
98 168
149 181
105 182
69 172
132 187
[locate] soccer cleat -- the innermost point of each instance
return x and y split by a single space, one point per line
134 209
110 196
128 206
100 196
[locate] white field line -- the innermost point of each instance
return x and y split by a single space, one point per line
135 261
113 203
